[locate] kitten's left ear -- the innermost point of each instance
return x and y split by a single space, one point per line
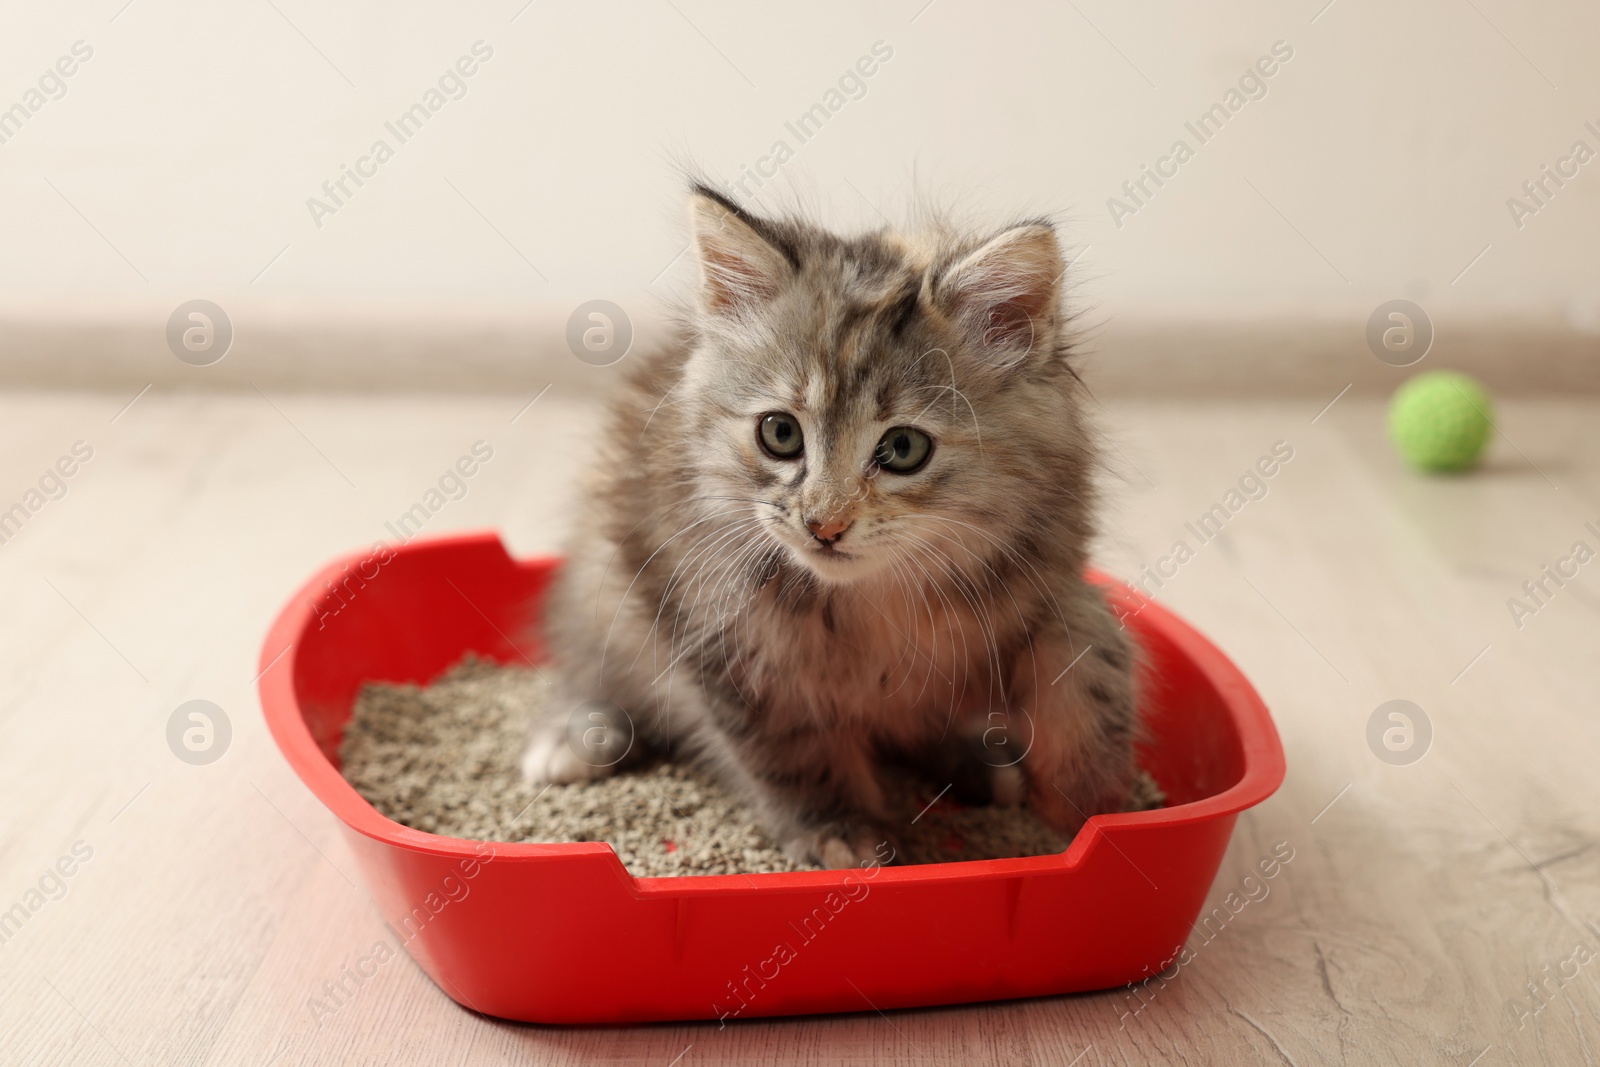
1004 294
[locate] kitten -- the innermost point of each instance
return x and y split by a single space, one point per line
846 521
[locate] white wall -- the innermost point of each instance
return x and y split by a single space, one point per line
193 137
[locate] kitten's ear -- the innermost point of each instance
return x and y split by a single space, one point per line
740 267
1004 294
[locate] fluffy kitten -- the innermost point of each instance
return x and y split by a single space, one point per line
844 522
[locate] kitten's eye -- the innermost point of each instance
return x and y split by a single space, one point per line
780 435
903 449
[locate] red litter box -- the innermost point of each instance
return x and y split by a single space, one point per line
561 933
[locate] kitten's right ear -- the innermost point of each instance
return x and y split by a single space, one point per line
740 266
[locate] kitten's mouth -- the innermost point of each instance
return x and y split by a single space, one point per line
830 563
836 567
827 551
821 558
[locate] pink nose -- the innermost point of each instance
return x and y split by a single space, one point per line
827 531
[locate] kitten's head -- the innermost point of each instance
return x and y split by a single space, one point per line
884 404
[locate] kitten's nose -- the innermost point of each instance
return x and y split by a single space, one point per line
827 531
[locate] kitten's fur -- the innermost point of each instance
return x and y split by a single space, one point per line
952 607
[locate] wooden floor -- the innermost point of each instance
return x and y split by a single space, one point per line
218 900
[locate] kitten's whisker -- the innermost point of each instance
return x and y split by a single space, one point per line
730 559
706 546
600 586
961 628
933 631
868 602
909 648
704 553
757 551
1036 579
933 583
623 600
1010 592
671 664
981 606
657 408
705 542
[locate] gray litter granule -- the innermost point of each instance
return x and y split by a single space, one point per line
443 758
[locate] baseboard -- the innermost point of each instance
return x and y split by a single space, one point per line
426 348
1316 356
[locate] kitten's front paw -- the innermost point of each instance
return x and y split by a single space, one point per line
550 760
838 848
589 743
1010 787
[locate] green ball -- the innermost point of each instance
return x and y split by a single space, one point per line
1441 421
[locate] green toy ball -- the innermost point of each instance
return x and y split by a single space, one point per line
1441 421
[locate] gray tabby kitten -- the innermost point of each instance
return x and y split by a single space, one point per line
844 524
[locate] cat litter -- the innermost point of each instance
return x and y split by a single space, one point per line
443 758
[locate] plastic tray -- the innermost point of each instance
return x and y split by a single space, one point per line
561 933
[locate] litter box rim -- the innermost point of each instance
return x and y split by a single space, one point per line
1261 750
